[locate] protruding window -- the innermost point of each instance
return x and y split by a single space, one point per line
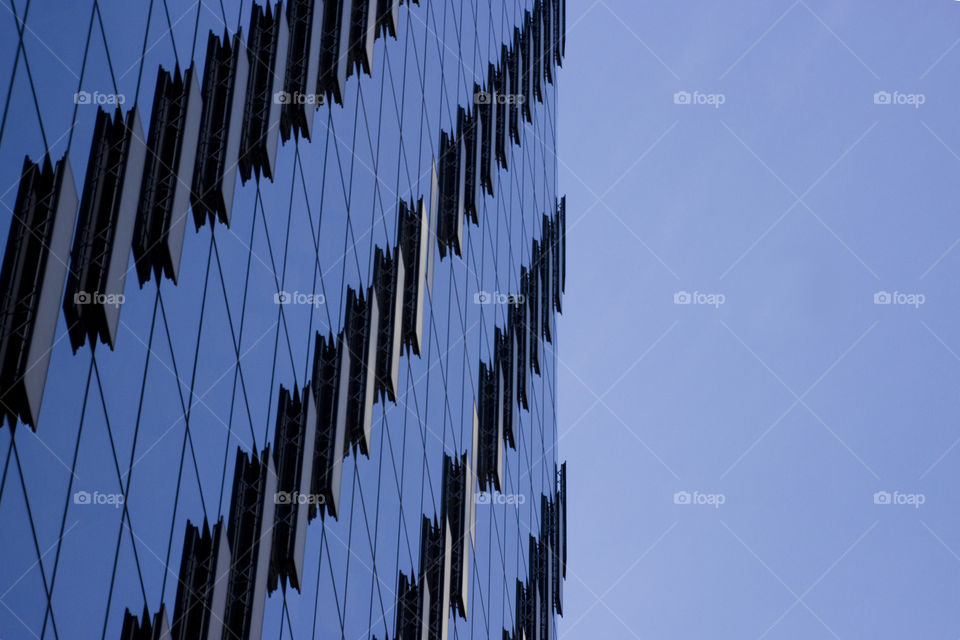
300 98
546 11
294 443
269 35
490 457
146 627
200 607
486 106
218 147
165 193
559 22
335 44
331 384
414 245
362 34
502 98
388 276
360 329
534 594
433 206
31 284
468 124
527 66
531 296
250 533
435 552
101 246
450 231
413 607
546 280
513 62
506 361
518 327
388 12
459 512
536 69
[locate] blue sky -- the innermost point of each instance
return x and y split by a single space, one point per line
793 189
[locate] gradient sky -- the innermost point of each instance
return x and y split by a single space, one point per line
797 199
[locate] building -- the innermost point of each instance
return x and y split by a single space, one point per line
277 311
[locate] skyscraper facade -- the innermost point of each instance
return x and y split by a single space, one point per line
278 319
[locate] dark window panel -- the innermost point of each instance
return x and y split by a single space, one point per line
558 541
250 532
32 283
556 252
536 61
294 444
546 11
146 627
218 147
520 612
362 34
168 172
334 58
531 299
563 243
459 507
388 275
472 150
559 20
300 97
527 66
516 102
412 602
506 357
487 139
503 99
546 281
414 234
433 207
361 327
563 31
450 213
533 607
388 15
267 51
331 384
101 246
468 126
562 501
518 327
490 458
203 583
435 551
545 566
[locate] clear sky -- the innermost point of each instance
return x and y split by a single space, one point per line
786 187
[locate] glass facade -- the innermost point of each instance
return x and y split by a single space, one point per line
310 398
